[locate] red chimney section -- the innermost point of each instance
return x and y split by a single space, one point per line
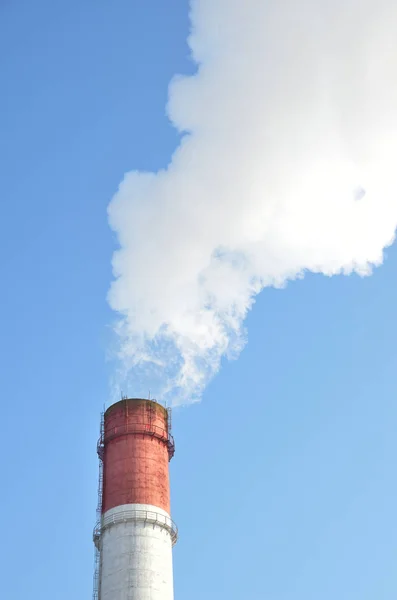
137 448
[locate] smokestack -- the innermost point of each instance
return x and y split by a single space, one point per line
134 533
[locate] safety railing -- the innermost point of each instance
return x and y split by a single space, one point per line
138 516
137 428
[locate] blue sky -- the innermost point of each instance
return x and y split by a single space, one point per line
283 483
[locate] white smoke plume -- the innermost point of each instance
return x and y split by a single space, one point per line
287 163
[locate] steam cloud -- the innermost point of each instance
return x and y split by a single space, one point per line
287 164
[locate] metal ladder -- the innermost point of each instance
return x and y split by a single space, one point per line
96 595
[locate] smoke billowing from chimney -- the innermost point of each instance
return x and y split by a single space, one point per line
286 164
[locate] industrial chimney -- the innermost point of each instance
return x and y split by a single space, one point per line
134 533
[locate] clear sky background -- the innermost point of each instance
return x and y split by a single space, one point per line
284 479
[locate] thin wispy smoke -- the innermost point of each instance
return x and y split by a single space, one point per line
287 164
